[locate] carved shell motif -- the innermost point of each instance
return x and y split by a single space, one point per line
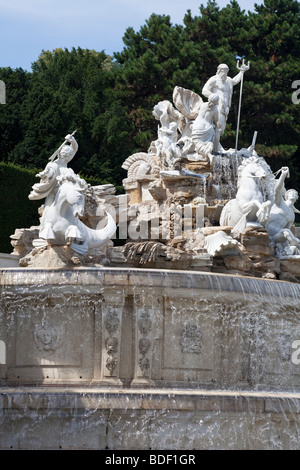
140 164
165 108
219 243
187 102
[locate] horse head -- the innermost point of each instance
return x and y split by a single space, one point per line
72 191
252 168
76 199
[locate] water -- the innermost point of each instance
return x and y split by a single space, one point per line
150 420
223 183
203 360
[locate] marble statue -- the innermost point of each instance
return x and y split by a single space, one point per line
223 85
192 128
64 204
199 124
248 208
189 204
167 150
204 128
62 225
282 217
48 186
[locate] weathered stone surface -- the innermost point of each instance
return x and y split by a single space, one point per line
141 419
240 262
213 229
256 242
22 239
60 257
203 345
291 265
9 261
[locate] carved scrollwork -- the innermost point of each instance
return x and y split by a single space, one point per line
144 323
140 164
144 345
111 322
144 365
111 345
112 325
111 363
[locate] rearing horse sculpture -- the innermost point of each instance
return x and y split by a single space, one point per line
61 224
248 207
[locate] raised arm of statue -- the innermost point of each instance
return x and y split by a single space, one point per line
279 185
66 150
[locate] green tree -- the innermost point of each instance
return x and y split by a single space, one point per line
275 37
147 63
161 56
67 92
12 129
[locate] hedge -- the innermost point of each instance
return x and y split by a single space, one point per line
16 210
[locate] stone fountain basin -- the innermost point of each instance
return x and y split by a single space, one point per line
96 418
121 327
118 358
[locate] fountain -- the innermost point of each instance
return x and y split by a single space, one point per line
185 337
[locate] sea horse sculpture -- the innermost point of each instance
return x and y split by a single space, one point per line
65 197
282 217
248 208
62 225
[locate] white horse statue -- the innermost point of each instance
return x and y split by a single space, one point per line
60 224
248 208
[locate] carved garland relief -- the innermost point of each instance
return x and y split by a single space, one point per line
144 326
112 324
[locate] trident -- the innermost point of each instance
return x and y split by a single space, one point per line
242 69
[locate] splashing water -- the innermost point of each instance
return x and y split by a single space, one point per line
204 361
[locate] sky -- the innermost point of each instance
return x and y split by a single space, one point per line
29 26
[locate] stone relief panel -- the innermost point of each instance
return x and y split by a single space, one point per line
191 339
190 346
283 334
111 337
147 334
46 345
144 341
47 335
